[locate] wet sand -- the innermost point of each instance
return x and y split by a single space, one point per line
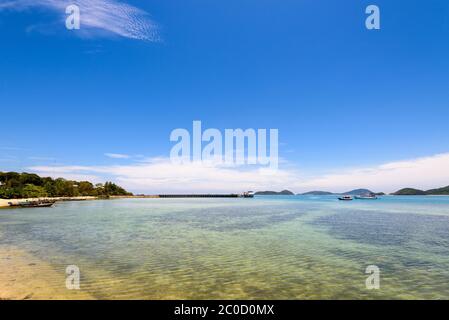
24 277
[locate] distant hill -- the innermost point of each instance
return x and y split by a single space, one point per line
409 192
274 193
439 191
417 192
358 192
317 193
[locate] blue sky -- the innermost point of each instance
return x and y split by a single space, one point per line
344 98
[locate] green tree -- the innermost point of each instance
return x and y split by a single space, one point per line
30 178
50 188
111 189
85 188
32 191
2 178
15 185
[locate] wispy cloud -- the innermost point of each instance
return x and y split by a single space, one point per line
37 158
12 149
161 175
8 159
109 16
423 173
117 156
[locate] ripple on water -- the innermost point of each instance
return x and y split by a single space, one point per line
226 219
249 249
389 229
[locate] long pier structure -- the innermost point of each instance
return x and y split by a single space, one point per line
248 194
231 195
198 196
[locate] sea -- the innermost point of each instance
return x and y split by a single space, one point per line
267 247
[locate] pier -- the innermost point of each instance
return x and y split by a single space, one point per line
248 194
199 196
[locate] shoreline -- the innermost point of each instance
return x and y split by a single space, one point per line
4 203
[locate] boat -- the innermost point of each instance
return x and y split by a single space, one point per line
249 194
370 196
36 204
345 198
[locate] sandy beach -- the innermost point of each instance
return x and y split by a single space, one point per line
25 277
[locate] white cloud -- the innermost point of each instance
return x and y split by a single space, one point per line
117 156
422 173
160 175
98 15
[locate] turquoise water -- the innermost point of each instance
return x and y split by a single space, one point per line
292 247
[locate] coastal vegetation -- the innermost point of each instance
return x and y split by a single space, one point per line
15 185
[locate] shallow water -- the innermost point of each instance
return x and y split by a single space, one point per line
292 247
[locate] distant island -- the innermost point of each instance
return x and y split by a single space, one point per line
15 185
417 192
355 192
359 192
402 192
275 193
316 193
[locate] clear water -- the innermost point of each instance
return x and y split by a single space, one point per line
292 247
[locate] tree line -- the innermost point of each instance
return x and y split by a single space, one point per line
15 185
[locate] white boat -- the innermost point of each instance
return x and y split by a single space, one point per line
371 196
346 198
248 194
